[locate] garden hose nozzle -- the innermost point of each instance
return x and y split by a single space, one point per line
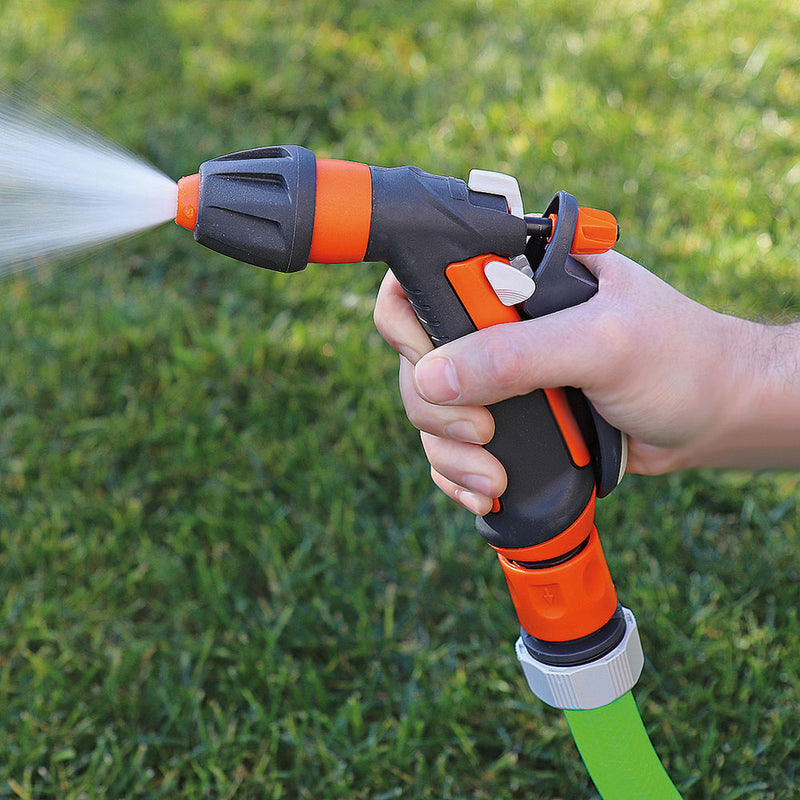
468 258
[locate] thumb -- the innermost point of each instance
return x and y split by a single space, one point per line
561 349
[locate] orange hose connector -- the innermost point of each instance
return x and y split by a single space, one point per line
566 601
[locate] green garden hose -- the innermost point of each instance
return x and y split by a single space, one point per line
618 752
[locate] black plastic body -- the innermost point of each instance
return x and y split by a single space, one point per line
422 223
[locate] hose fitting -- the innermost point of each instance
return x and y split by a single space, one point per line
591 685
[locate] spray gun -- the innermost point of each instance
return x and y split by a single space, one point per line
468 258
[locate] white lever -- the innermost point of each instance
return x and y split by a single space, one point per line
509 284
483 180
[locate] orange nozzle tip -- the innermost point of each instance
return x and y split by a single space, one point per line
188 200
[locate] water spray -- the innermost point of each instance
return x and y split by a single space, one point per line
64 189
468 257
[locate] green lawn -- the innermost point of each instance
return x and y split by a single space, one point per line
225 572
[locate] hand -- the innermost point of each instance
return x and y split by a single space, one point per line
689 386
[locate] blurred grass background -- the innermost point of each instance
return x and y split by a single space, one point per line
224 570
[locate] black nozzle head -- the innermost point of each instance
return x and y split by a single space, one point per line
258 205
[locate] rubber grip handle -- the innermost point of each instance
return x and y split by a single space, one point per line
422 226
537 438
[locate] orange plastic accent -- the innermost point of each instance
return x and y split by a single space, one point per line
567 601
476 294
188 200
554 219
596 232
480 301
558 546
568 425
343 212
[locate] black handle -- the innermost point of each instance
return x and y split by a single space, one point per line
421 225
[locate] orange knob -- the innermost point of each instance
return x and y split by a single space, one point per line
595 232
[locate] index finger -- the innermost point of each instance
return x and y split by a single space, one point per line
397 323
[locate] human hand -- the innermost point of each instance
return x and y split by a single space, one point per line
664 369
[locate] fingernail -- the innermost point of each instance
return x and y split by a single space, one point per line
462 430
475 503
436 380
478 483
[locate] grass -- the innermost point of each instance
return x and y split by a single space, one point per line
225 572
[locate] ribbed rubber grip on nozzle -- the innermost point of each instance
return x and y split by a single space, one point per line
258 205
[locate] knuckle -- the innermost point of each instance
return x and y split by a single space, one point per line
415 407
504 358
382 320
416 417
431 445
613 336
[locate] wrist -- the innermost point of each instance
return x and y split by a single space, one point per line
756 418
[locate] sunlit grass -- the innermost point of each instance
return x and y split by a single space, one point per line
225 572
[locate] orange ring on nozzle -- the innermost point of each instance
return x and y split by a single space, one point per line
188 201
342 213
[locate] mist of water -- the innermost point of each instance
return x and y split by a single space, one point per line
65 189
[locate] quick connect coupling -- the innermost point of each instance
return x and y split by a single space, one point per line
589 685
